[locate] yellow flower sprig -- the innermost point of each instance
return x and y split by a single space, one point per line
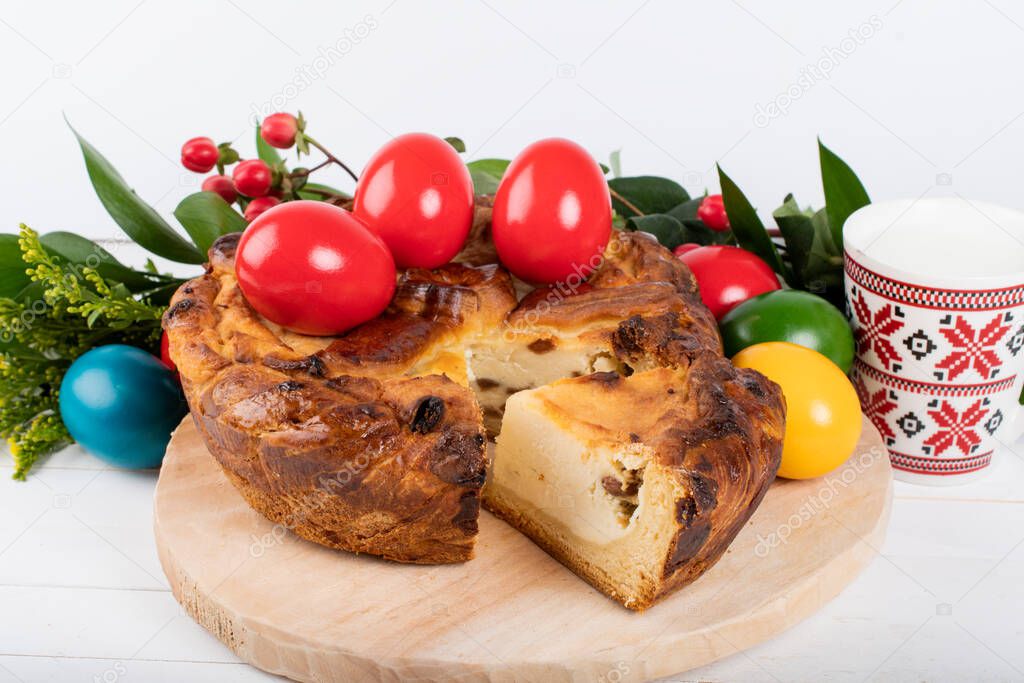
67 310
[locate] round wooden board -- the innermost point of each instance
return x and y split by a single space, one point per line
512 614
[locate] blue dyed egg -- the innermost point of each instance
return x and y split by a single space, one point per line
121 404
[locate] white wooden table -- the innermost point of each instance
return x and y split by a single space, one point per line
82 595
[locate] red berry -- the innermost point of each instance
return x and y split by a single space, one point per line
683 248
278 130
199 155
252 178
259 205
712 213
222 185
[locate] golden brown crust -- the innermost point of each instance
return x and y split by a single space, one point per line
725 455
372 442
331 439
635 272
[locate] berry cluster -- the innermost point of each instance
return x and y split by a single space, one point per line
254 184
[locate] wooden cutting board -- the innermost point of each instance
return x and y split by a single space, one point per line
512 614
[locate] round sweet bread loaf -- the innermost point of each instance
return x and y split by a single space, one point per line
375 441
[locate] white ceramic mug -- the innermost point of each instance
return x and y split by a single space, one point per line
935 295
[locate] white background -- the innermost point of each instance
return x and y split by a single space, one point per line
932 96
930 103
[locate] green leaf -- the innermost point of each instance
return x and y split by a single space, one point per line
687 211
747 227
75 249
687 214
206 216
669 231
457 143
615 162
824 272
138 219
798 232
495 167
264 151
649 194
696 231
161 296
12 275
307 191
484 183
487 174
816 262
228 155
844 192
13 278
301 145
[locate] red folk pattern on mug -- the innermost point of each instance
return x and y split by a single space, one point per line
927 391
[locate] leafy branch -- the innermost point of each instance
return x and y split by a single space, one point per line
60 310
62 294
810 242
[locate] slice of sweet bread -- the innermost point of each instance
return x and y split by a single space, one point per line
638 483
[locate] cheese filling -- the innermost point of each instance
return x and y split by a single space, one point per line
591 493
594 491
498 371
